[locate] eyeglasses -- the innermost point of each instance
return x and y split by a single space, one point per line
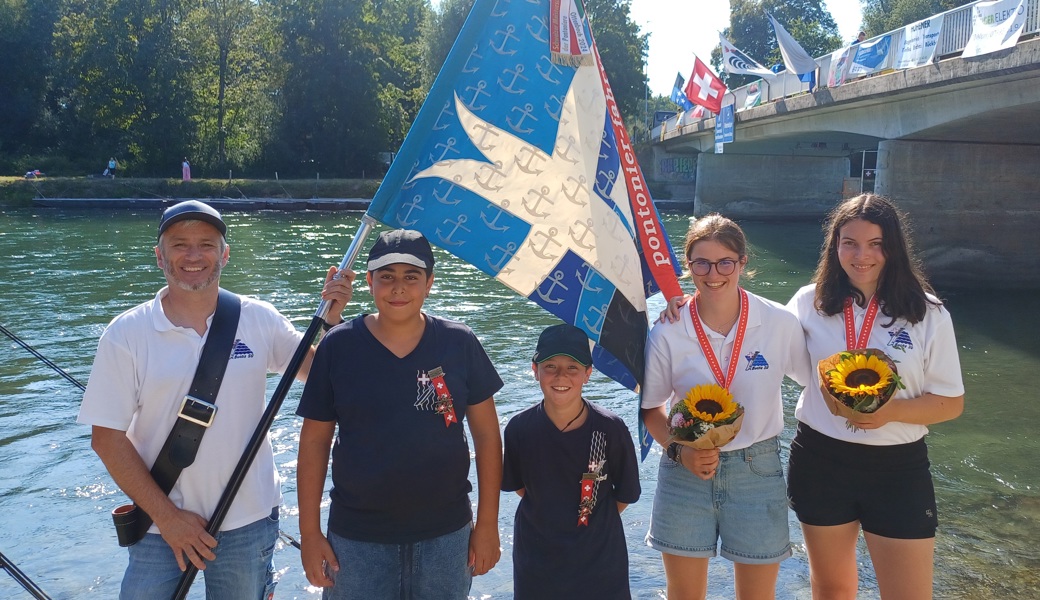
723 267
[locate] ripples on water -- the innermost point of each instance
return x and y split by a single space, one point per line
65 274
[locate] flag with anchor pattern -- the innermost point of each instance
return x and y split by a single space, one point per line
520 165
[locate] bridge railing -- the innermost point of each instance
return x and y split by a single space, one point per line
953 38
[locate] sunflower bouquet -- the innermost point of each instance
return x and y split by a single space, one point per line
707 417
858 381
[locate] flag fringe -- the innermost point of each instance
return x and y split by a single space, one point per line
573 60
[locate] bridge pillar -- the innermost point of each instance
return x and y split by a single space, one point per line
745 186
671 174
975 208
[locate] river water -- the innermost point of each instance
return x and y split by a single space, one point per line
65 274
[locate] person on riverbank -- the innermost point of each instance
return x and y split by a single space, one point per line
873 475
746 344
142 371
399 383
185 170
574 466
110 171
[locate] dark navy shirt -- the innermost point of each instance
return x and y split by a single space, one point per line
554 557
399 475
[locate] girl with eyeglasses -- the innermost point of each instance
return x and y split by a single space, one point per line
868 292
746 344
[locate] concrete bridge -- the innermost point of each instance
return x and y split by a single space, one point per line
956 143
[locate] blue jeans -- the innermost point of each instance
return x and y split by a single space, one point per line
243 569
744 505
436 569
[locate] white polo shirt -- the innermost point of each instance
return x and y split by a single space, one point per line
773 347
925 354
144 367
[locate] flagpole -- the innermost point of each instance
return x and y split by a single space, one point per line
273 406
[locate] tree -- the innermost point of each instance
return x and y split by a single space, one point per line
439 35
807 20
237 72
881 16
623 50
26 29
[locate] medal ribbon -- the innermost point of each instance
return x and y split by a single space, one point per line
590 480
852 342
443 405
706 348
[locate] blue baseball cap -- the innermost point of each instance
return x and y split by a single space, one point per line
192 210
563 339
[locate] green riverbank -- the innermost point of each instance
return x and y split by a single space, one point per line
21 192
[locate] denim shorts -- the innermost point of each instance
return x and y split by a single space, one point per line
435 569
745 505
243 569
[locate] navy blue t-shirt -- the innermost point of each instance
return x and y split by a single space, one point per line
554 557
399 475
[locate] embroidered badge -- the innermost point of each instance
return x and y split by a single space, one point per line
755 361
590 480
240 350
900 339
443 405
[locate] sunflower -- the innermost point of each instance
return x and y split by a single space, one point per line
710 403
706 418
862 380
860 375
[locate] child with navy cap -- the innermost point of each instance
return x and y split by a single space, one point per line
398 384
574 465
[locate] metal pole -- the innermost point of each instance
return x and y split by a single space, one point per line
22 579
260 433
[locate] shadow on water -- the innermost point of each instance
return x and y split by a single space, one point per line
65 274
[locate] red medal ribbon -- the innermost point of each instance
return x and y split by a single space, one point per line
852 342
706 348
588 487
443 405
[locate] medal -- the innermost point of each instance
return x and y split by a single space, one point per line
706 348
852 342
443 405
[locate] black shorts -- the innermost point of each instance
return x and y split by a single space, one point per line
888 489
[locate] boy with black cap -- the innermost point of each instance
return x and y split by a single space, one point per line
138 387
574 466
399 383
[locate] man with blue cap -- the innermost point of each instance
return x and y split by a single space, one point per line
140 388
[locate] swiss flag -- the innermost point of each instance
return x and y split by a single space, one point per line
705 88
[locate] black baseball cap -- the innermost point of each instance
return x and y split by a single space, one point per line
192 210
563 339
400 246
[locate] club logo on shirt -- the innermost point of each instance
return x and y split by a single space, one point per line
755 361
900 339
240 350
425 395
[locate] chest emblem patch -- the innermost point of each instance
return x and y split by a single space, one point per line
900 339
755 361
240 350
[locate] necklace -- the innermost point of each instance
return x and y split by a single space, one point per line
571 422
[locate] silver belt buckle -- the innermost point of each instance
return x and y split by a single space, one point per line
195 405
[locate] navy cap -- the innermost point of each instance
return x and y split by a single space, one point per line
563 339
192 210
400 246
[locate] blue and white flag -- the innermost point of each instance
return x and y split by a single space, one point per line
521 166
735 62
871 57
678 96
